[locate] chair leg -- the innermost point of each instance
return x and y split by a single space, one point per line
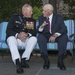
72 52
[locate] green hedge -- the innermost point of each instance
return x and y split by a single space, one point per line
9 7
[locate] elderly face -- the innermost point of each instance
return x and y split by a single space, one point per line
46 11
27 12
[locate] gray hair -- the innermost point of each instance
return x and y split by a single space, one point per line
49 6
26 6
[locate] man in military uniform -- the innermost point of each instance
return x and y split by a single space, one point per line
21 31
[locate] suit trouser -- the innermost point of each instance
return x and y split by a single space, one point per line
28 44
62 44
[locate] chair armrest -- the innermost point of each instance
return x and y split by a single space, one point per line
73 35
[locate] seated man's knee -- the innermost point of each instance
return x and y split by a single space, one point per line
33 38
62 39
11 38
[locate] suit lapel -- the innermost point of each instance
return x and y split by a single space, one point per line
53 20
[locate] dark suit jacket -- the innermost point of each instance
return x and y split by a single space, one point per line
56 26
16 26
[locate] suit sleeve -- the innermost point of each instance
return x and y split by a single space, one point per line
60 26
40 21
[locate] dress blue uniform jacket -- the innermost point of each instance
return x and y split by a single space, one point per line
17 24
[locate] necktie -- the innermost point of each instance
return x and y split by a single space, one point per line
48 25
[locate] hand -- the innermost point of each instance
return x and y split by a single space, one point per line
52 39
22 36
44 24
55 35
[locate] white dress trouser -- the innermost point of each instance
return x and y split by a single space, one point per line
28 44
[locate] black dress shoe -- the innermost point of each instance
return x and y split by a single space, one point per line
19 68
61 66
24 63
46 65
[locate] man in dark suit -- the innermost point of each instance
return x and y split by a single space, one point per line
52 29
21 31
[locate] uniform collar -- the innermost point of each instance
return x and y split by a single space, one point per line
24 16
